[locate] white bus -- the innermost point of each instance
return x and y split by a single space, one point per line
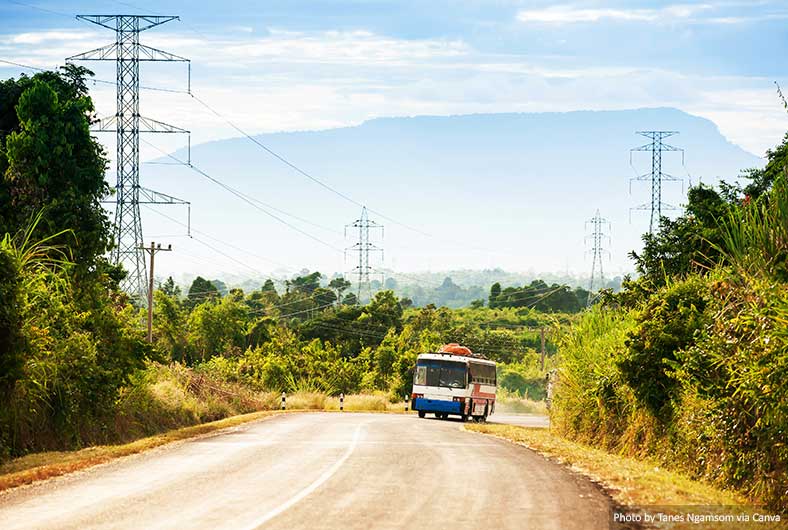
447 382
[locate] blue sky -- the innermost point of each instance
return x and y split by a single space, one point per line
298 65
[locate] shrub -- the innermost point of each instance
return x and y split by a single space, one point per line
667 324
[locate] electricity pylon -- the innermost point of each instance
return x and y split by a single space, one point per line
127 52
597 236
364 247
656 146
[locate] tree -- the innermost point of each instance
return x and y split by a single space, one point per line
350 299
304 284
340 285
323 297
688 243
169 326
170 288
217 328
200 291
268 286
50 161
495 293
762 180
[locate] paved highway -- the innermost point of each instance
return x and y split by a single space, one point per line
318 471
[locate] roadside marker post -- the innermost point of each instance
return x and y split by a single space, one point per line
341 402
283 401
406 402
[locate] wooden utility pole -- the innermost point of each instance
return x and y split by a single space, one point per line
152 250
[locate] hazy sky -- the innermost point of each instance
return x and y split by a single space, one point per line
299 65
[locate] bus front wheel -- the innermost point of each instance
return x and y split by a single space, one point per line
422 414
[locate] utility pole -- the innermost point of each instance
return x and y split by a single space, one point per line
152 250
127 52
656 147
598 224
363 270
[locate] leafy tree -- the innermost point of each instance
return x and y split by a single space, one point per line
217 328
304 284
49 160
201 291
350 299
323 297
339 285
268 286
762 180
687 244
169 325
495 293
170 288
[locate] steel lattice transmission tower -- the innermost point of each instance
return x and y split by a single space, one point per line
363 271
597 238
656 147
127 52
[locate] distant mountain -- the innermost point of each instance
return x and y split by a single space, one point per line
508 191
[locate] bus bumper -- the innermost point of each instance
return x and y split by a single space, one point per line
437 405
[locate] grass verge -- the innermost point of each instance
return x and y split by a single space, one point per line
631 483
40 466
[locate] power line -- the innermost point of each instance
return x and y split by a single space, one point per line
218 240
245 198
302 171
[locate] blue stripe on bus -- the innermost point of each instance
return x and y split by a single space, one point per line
436 405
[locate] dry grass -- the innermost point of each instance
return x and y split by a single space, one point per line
518 405
376 402
39 466
630 482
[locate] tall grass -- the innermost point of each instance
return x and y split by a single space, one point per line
590 401
755 236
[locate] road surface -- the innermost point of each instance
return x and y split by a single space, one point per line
318 471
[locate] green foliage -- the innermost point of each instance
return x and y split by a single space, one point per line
201 290
667 324
687 364
538 295
217 328
686 245
50 160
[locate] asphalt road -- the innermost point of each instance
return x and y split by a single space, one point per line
318 471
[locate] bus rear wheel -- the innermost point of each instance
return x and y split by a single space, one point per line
422 414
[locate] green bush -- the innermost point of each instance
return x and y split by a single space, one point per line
667 324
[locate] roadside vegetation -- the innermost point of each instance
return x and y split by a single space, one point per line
76 370
686 365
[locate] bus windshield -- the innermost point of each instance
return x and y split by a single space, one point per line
433 372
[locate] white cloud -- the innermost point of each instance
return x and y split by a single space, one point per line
569 14
307 80
40 37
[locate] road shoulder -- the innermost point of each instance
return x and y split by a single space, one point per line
630 483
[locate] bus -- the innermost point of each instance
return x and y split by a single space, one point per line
454 381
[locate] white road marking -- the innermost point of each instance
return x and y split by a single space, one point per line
327 474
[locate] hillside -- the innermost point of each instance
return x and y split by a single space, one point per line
491 190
